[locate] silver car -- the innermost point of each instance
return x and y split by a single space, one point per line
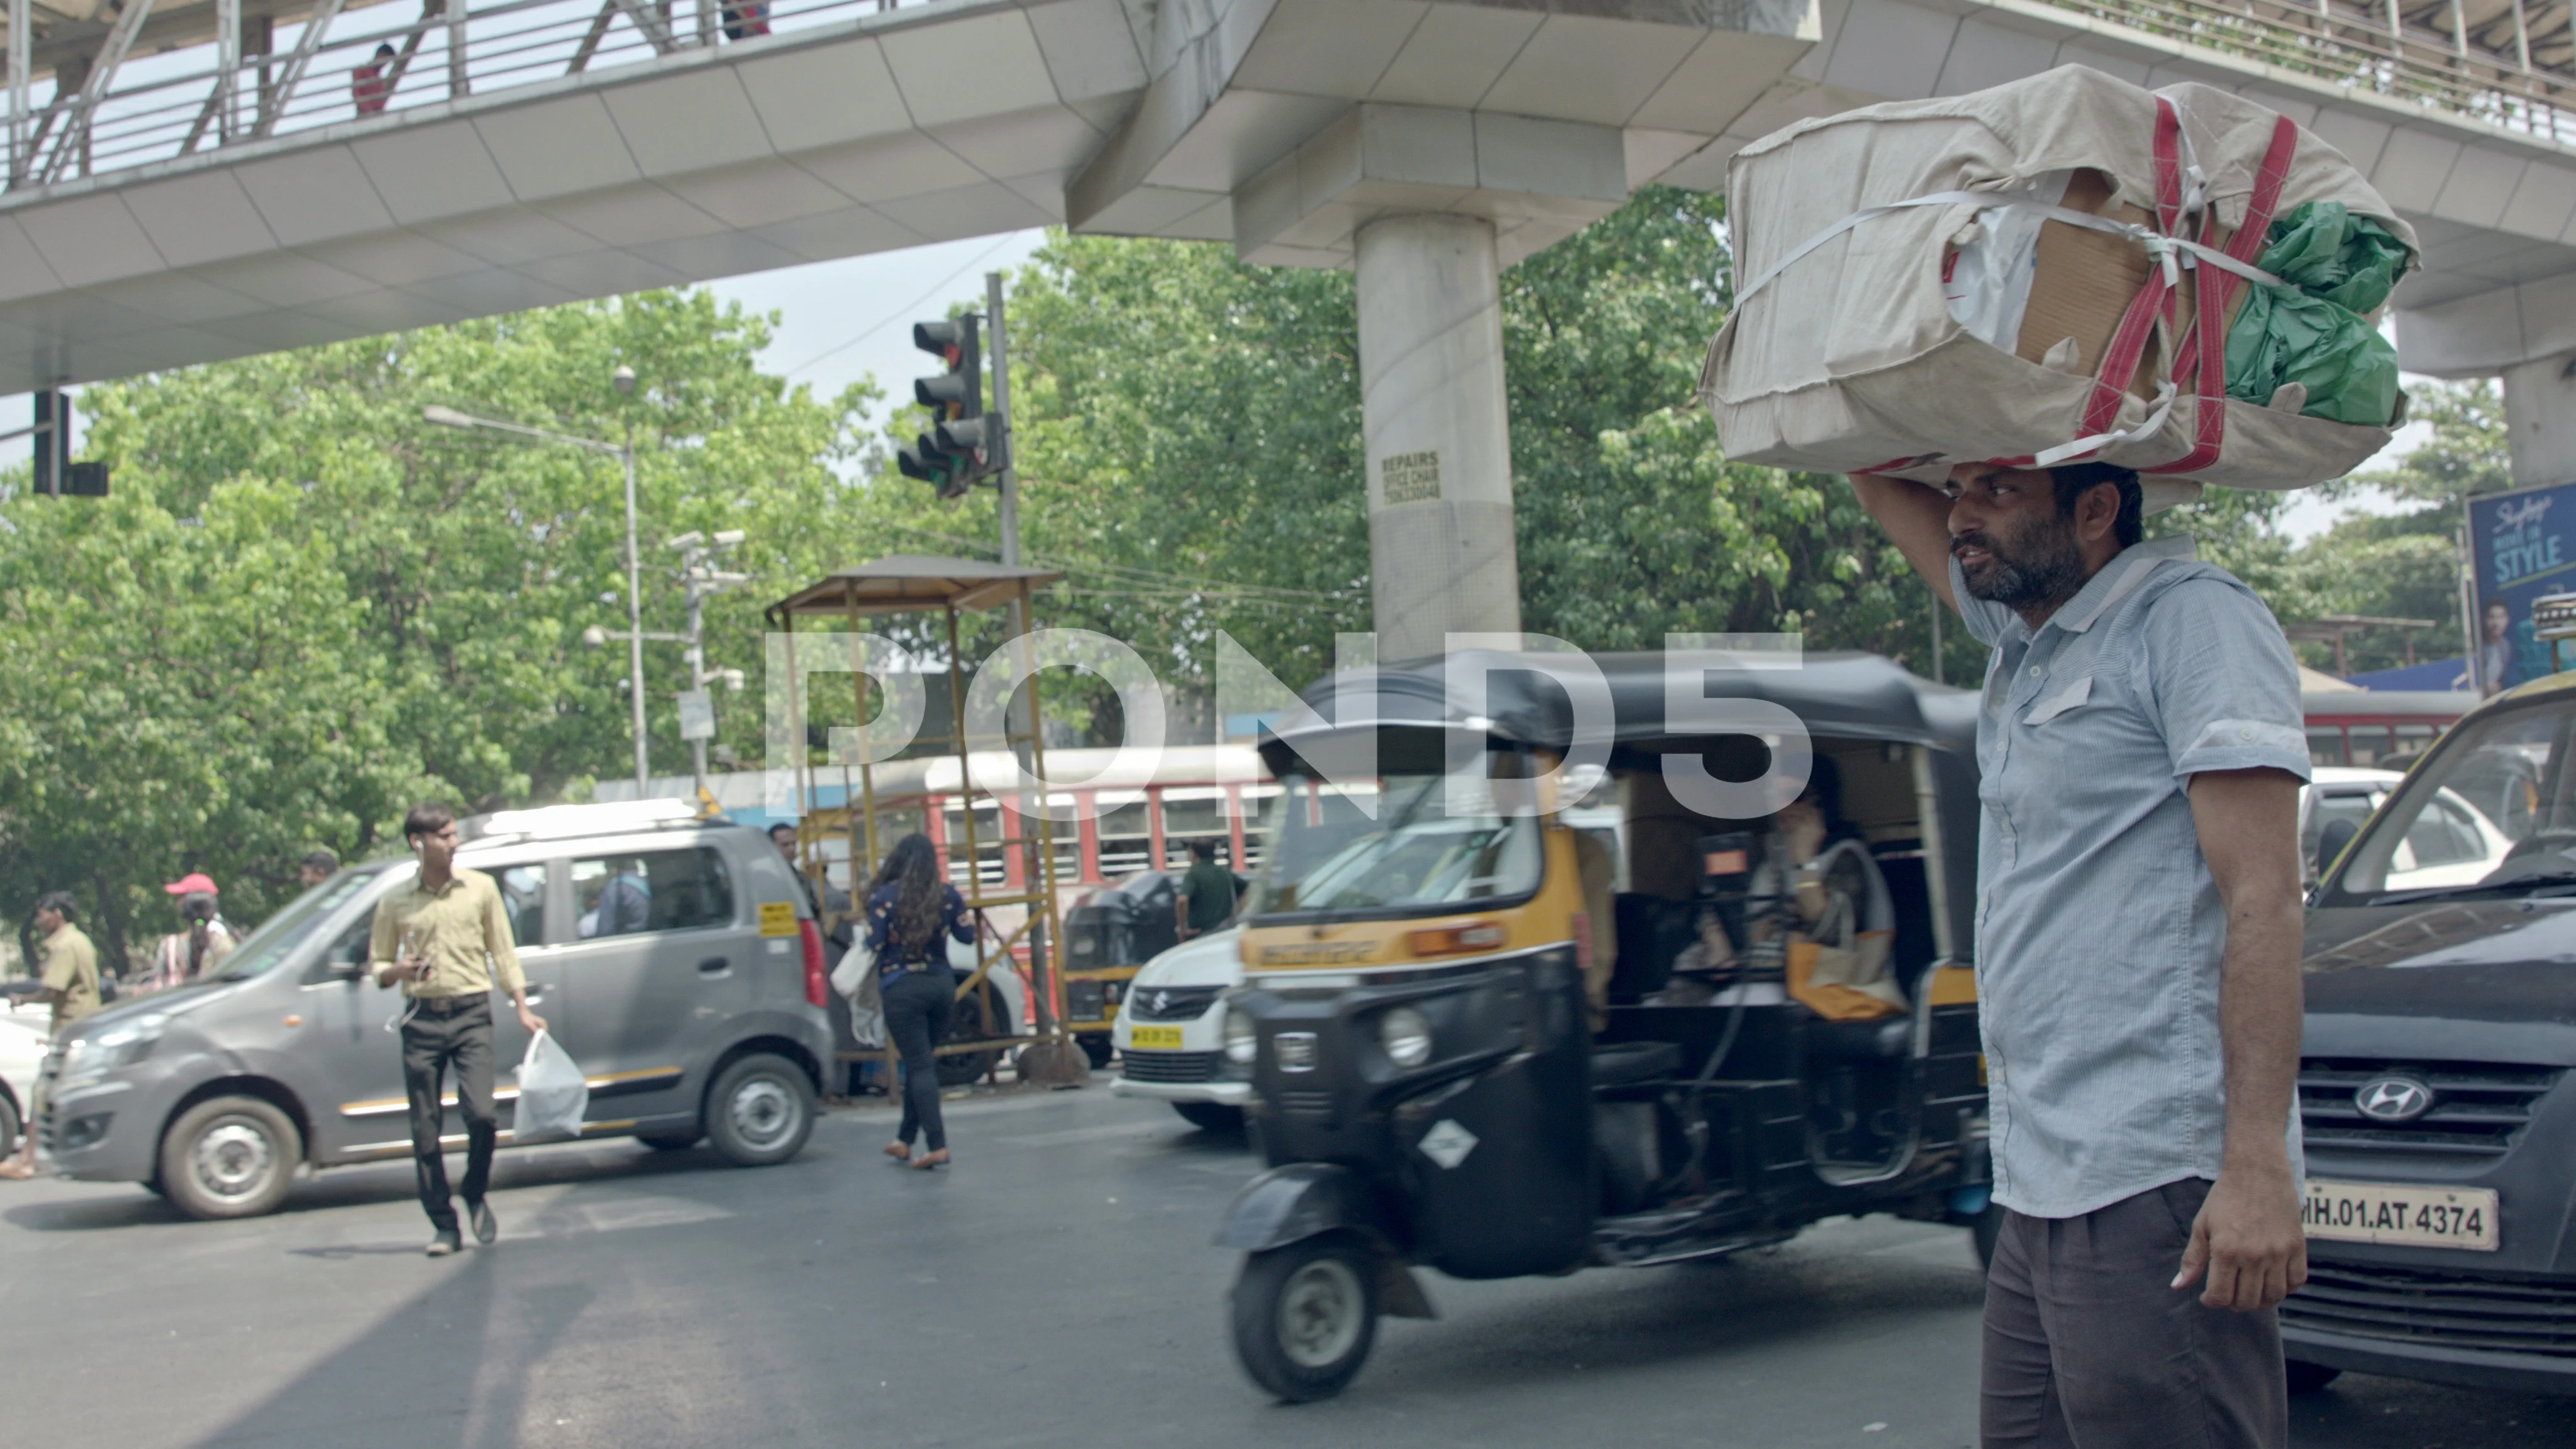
703 1020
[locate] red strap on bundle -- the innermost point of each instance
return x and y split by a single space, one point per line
2206 362
2207 365
2129 341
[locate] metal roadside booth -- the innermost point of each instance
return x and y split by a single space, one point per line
1002 859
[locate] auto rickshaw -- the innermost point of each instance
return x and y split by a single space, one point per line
1444 1074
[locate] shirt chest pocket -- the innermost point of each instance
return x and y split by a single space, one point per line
2050 706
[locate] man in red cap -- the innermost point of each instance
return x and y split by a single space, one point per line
203 938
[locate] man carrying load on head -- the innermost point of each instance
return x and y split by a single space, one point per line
2138 928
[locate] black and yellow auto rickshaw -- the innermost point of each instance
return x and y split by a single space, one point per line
1448 1073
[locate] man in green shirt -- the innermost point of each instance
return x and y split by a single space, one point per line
67 977
445 939
1207 892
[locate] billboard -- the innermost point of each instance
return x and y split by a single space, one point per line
2523 546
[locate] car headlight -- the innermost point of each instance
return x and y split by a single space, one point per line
1406 1035
1242 1039
121 1045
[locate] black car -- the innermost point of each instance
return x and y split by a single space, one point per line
2434 1086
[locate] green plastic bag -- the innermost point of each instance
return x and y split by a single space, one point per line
2312 332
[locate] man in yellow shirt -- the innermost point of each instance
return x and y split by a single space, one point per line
446 940
69 979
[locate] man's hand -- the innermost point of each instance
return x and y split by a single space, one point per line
2247 1241
535 1023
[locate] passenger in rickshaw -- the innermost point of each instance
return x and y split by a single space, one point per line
1835 909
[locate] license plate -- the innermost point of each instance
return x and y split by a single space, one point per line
1154 1038
2415 1217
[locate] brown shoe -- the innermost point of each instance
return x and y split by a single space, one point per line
899 1151
929 1160
16 1171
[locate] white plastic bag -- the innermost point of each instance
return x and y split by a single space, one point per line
553 1097
857 966
856 979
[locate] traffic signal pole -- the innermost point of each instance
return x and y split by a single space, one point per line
1010 476
998 434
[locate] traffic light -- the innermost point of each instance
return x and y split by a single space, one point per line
56 475
958 449
52 440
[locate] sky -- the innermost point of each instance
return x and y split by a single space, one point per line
842 321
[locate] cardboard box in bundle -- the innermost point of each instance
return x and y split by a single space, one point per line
1851 357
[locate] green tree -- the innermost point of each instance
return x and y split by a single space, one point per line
2467 454
2404 563
1632 522
304 607
1187 434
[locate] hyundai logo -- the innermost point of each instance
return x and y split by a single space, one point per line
2393 1099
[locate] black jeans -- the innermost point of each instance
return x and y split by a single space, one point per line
451 1033
2088 1347
917 1004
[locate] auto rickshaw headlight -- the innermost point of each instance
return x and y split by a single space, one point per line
1242 1039
1406 1035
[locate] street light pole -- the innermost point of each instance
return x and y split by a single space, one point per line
634 619
700 581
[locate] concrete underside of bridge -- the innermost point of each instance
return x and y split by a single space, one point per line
1427 143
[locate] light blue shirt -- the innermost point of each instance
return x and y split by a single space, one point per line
2099 929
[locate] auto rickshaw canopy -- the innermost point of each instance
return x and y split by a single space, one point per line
1839 697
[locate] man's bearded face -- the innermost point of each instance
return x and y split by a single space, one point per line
2034 560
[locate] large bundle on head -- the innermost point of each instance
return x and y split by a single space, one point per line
2016 275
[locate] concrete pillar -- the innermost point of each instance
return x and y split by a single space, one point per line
1441 556
2540 412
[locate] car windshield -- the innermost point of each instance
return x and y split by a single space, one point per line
2488 812
1329 855
279 935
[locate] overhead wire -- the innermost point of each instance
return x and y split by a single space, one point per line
883 322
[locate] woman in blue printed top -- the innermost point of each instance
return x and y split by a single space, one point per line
912 916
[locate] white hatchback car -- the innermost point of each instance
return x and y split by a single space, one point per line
2451 843
1170 1033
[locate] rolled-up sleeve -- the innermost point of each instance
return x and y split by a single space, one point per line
498 942
2224 681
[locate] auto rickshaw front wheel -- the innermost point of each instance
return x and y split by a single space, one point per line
1305 1315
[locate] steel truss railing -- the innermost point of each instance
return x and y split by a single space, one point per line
2504 62
130 109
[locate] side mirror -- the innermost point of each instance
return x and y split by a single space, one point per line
2331 843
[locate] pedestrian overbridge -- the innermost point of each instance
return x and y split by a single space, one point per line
198 179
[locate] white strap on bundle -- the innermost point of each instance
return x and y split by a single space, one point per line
2154 422
2170 252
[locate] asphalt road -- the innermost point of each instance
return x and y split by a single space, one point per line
1054 1288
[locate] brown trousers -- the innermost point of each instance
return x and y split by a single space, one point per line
2088 1348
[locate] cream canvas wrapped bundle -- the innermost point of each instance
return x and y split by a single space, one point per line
2015 274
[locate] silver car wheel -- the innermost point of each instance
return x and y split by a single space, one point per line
233 1159
1322 1310
763 1111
